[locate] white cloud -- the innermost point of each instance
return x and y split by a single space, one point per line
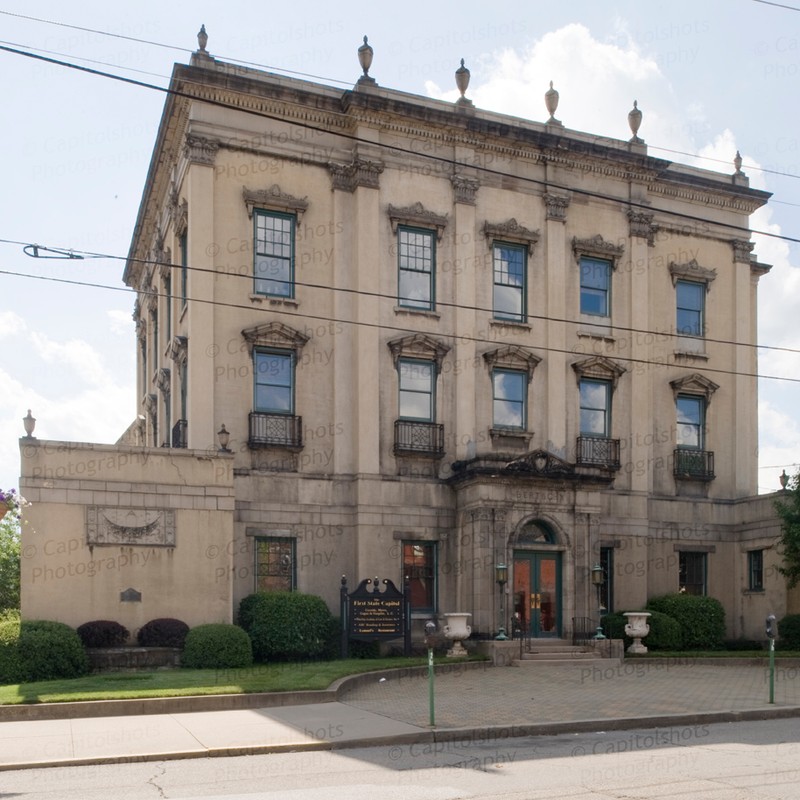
11 324
74 354
120 322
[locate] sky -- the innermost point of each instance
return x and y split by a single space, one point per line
710 77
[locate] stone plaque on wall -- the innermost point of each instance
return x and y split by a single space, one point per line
131 526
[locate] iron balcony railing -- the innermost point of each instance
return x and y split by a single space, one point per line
693 464
596 451
422 438
180 433
275 430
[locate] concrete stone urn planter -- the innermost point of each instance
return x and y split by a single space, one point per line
457 630
637 628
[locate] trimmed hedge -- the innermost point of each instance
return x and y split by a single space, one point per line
286 626
163 632
217 646
102 633
40 650
789 632
701 619
665 632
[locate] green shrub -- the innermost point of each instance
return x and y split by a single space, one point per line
701 619
665 632
39 650
614 627
163 632
741 645
286 626
217 646
102 633
789 632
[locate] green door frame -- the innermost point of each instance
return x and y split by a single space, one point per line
537 594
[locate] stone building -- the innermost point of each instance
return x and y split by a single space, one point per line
384 335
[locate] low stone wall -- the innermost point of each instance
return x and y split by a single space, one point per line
109 659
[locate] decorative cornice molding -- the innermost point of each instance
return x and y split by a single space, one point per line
599 367
179 215
421 346
163 380
691 271
275 334
178 349
510 231
200 150
360 172
741 251
417 215
542 463
273 198
512 357
757 268
641 226
151 405
694 384
597 247
556 206
464 189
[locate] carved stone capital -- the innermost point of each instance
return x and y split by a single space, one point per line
641 225
741 251
179 349
360 172
163 380
691 271
511 231
200 150
274 198
556 206
464 189
417 215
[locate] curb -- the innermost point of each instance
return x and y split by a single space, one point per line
464 736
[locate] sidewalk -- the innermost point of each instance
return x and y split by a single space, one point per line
473 702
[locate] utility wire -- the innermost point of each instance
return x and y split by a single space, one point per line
378 326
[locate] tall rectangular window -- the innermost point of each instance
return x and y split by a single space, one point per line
755 571
691 422
692 572
510 281
419 566
509 392
595 408
274 567
183 244
168 293
154 325
595 286
416 259
274 382
417 396
274 253
690 308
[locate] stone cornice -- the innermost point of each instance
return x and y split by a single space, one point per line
691 271
512 357
417 215
275 334
599 367
510 231
597 247
420 346
694 384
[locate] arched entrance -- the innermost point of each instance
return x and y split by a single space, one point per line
536 581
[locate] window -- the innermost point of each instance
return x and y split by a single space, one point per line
755 571
595 286
154 325
607 587
416 257
595 407
274 253
691 422
168 293
274 382
183 244
417 397
692 570
509 390
274 567
509 282
419 566
691 307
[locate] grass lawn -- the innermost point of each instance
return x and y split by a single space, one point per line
182 682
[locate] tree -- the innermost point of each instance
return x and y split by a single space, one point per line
788 509
9 560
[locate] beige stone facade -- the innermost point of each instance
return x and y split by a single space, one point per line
441 340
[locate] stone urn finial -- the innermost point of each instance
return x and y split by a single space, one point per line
202 40
635 120
462 79
365 53
737 163
551 103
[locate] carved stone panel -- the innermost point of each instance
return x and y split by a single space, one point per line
130 526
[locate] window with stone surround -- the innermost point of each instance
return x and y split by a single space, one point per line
755 571
274 381
690 297
509 399
274 253
274 567
416 264
595 398
417 381
692 572
595 286
510 282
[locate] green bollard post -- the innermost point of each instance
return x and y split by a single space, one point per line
430 688
771 633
